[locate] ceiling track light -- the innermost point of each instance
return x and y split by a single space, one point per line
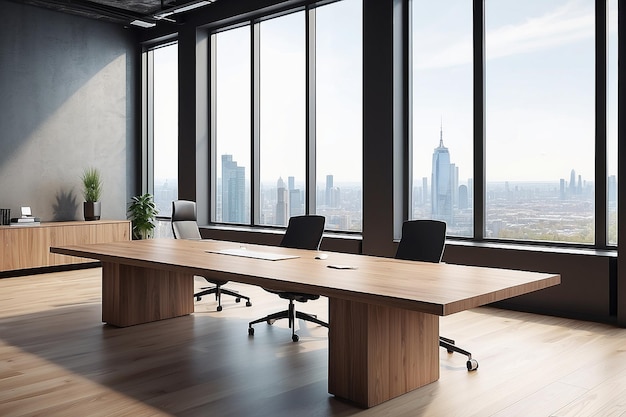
181 9
142 23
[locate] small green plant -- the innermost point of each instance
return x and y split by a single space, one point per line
142 212
92 185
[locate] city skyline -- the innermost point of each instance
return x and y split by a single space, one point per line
561 209
279 200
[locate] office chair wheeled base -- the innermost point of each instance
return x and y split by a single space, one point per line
448 344
218 291
290 314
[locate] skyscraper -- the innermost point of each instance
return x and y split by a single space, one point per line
333 194
441 188
329 187
281 203
295 199
463 197
233 191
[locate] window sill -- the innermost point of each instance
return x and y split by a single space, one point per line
533 247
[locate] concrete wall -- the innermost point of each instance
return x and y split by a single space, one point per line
66 103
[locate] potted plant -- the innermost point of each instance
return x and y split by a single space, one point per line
142 212
92 190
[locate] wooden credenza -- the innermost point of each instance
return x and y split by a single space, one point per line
25 247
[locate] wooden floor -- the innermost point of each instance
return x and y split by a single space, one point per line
58 359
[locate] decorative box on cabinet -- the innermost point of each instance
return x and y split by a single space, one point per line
25 247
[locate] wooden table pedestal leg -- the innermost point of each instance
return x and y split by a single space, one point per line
134 295
377 353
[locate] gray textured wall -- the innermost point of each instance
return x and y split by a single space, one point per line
66 103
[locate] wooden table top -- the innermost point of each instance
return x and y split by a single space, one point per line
439 289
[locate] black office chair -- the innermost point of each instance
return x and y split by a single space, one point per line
303 232
425 240
185 226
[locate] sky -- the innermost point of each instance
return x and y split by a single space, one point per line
539 91
166 111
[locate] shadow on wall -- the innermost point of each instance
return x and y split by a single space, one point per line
65 207
64 106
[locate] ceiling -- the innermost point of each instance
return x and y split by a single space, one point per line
121 11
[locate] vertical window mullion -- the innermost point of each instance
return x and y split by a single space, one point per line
479 119
407 106
311 174
601 125
148 161
212 114
255 175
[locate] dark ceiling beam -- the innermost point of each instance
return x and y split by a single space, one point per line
128 10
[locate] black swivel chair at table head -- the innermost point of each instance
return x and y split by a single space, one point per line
425 240
303 232
185 226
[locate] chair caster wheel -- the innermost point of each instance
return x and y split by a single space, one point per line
450 351
237 300
250 331
472 365
295 338
270 322
198 298
248 304
219 308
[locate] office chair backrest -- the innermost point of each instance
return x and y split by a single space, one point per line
422 240
184 224
304 232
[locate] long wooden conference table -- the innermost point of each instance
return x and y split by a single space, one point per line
384 313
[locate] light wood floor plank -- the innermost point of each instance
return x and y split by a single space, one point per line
58 359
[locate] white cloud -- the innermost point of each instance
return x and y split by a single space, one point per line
562 26
566 24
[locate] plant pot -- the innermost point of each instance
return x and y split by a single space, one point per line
91 210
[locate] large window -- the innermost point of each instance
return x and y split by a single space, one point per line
231 124
338 109
164 125
286 114
442 119
282 117
540 120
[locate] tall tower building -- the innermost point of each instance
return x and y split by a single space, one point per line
454 184
441 182
572 182
463 197
233 191
333 194
282 212
329 188
295 199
